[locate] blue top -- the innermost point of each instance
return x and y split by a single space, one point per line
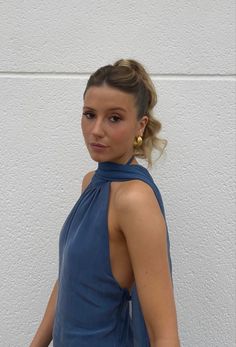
93 310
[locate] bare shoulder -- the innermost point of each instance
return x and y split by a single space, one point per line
134 193
136 204
87 179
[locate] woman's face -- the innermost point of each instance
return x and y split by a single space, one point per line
110 119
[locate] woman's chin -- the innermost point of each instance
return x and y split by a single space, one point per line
98 157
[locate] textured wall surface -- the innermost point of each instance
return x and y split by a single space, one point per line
48 49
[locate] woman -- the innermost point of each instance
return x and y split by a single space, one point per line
114 287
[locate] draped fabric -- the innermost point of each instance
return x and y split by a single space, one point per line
93 310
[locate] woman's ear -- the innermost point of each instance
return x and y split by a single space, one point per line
142 123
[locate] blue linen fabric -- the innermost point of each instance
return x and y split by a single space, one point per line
92 309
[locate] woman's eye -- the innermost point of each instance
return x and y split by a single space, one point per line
115 119
88 115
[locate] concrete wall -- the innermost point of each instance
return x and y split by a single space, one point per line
48 49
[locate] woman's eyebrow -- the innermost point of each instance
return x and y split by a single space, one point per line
109 109
116 108
89 108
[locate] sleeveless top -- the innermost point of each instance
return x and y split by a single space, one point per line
92 309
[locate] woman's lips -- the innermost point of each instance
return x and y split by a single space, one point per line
98 146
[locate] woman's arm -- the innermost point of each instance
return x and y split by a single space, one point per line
43 336
143 226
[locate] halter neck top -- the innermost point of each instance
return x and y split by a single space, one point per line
92 309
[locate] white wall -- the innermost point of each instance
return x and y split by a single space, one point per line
48 49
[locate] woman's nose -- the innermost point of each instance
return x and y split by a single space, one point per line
98 128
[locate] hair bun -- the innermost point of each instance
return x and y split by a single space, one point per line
132 64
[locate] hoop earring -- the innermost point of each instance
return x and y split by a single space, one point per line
138 141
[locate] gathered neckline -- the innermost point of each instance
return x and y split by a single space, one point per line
111 164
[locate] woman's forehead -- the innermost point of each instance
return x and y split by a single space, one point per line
109 97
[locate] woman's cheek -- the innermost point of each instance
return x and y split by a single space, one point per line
121 135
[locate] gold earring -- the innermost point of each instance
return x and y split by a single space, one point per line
138 141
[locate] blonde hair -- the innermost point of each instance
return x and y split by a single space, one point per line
130 76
